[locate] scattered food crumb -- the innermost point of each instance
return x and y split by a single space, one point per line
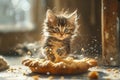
93 75
29 53
20 68
108 79
24 73
82 49
36 77
62 78
11 69
109 70
50 78
117 71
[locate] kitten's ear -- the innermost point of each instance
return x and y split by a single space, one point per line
73 17
50 16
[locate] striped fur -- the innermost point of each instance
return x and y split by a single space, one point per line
58 31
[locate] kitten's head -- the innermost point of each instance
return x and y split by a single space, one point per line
60 26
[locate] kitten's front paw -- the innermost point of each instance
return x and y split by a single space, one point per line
61 52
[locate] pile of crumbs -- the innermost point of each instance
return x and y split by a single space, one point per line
21 73
18 69
15 73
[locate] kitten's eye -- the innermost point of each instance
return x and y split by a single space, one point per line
67 31
56 30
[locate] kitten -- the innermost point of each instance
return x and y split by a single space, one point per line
58 31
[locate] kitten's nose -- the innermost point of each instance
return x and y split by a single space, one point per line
61 34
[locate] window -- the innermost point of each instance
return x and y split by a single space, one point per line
15 15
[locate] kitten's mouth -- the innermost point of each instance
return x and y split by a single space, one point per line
60 36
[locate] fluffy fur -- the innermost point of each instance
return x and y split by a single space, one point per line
58 31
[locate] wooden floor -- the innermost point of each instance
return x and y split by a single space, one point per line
19 72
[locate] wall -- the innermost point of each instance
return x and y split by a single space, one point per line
89 31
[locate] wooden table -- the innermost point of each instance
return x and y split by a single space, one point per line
19 72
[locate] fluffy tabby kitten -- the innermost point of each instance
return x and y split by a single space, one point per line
58 31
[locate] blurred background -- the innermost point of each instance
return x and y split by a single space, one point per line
21 22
